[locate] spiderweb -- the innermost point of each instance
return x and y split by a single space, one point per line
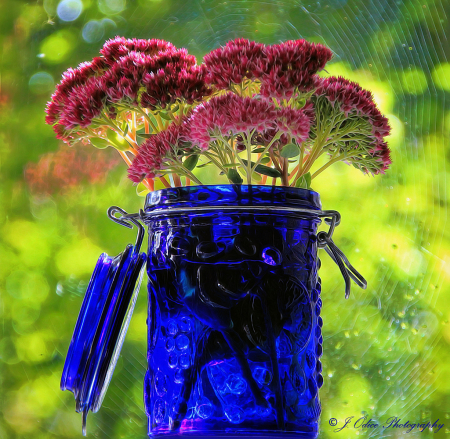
384 353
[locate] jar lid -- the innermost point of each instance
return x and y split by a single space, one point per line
101 327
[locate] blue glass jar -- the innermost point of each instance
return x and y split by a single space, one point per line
234 326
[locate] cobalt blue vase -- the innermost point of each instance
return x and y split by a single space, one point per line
234 326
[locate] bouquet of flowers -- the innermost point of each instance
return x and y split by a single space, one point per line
250 110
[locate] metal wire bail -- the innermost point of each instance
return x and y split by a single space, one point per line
128 221
325 241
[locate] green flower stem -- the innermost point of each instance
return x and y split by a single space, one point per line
284 174
181 110
300 158
321 140
159 122
178 168
275 161
182 170
225 142
330 162
249 156
274 139
216 162
147 118
220 154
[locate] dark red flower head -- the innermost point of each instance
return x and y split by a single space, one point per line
351 98
232 114
119 46
147 73
291 66
281 68
237 60
152 153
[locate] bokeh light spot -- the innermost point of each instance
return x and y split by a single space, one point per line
93 31
58 46
111 7
26 285
108 24
396 138
356 390
24 316
410 261
41 83
78 258
266 24
50 7
414 81
30 240
32 347
69 10
8 352
441 75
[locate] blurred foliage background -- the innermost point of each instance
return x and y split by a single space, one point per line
386 349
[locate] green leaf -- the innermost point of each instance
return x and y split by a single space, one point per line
258 150
174 109
256 177
145 135
99 143
117 142
191 162
165 115
124 127
234 176
270 172
304 181
230 165
308 179
290 150
300 103
265 170
141 190
203 164
245 162
265 160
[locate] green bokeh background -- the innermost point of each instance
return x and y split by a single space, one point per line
386 349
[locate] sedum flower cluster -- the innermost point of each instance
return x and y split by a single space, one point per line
250 110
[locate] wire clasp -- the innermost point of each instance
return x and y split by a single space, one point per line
325 241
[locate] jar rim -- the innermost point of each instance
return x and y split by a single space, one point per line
232 195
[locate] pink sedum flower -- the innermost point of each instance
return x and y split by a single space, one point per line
238 60
71 79
176 81
293 122
84 104
233 115
292 66
351 98
146 73
281 68
149 162
119 46
229 114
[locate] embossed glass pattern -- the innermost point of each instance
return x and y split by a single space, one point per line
234 326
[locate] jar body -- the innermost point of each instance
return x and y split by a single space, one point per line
234 332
